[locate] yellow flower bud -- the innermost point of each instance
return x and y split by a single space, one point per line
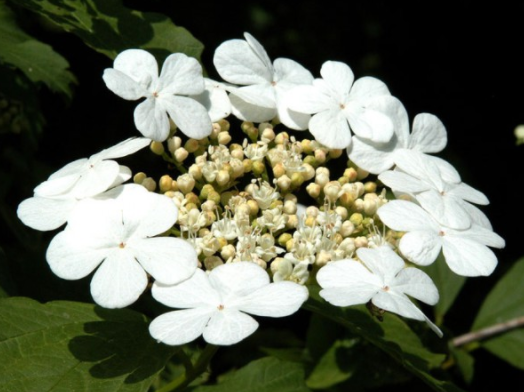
224 138
181 154
165 183
149 184
139 177
157 147
223 177
284 182
313 190
191 145
284 238
335 153
356 218
370 187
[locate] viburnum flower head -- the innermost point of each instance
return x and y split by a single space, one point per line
428 135
340 106
466 251
135 75
216 304
380 277
114 233
261 96
56 198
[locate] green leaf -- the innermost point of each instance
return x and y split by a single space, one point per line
38 61
337 365
65 346
505 302
465 363
393 336
448 284
263 375
109 27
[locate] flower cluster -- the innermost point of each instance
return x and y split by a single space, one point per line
240 227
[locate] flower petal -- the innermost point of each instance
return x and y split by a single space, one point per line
382 261
273 300
122 149
372 157
428 134
195 292
366 89
397 303
402 182
309 99
257 94
465 192
467 257
420 247
189 115
416 284
169 260
215 99
181 326
482 235
119 281
445 209
237 279
291 72
123 85
96 179
259 50
248 112
139 65
181 75
228 327
404 215
45 214
151 120
331 128
339 77
369 124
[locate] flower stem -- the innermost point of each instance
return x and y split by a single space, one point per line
192 372
488 331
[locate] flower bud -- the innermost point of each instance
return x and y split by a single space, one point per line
331 190
228 252
309 171
320 156
361 242
223 177
351 174
296 180
224 125
165 183
191 145
313 190
284 182
290 207
356 218
224 138
139 177
186 183
335 153
214 196
149 184
279 170
258 167
306 146
173 144
211 262
281 138
157 148
181 154
195 171
347 228
342 212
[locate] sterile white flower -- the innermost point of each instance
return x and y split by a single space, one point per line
381 278
57 197
466 251
428 135
436 185
135 75
216 304
340 106
113 232
264 84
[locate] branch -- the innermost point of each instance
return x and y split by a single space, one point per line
488 331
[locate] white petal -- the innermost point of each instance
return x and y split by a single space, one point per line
477 216
257 94
429 134
420 166
69 261
45 214
402 182
331 128
119 281
339 77
189 115
368 88
181 326
215 99
482 235
71 168
195 292
122 149
291 119
416 284
96 179
291 72
372 157
249 112
228 327
467 257
151 120
139 65
369 124
123 85
433 327
237 279
397 303
258 49
273 300
420 247
181 75
58 186
382 261
169 260
448 173
468 193
347 282
404 215
396 112
309 99
445 209
236 62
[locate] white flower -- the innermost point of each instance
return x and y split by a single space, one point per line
466 251
57 197
215 305
261 96
428 135
215 100
436 185
382 279
339 106
135 75
113 233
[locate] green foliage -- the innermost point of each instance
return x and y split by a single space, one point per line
393 336
505 302
262 375
109 27
65 346
38 61
448 284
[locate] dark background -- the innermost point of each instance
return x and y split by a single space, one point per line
458 60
